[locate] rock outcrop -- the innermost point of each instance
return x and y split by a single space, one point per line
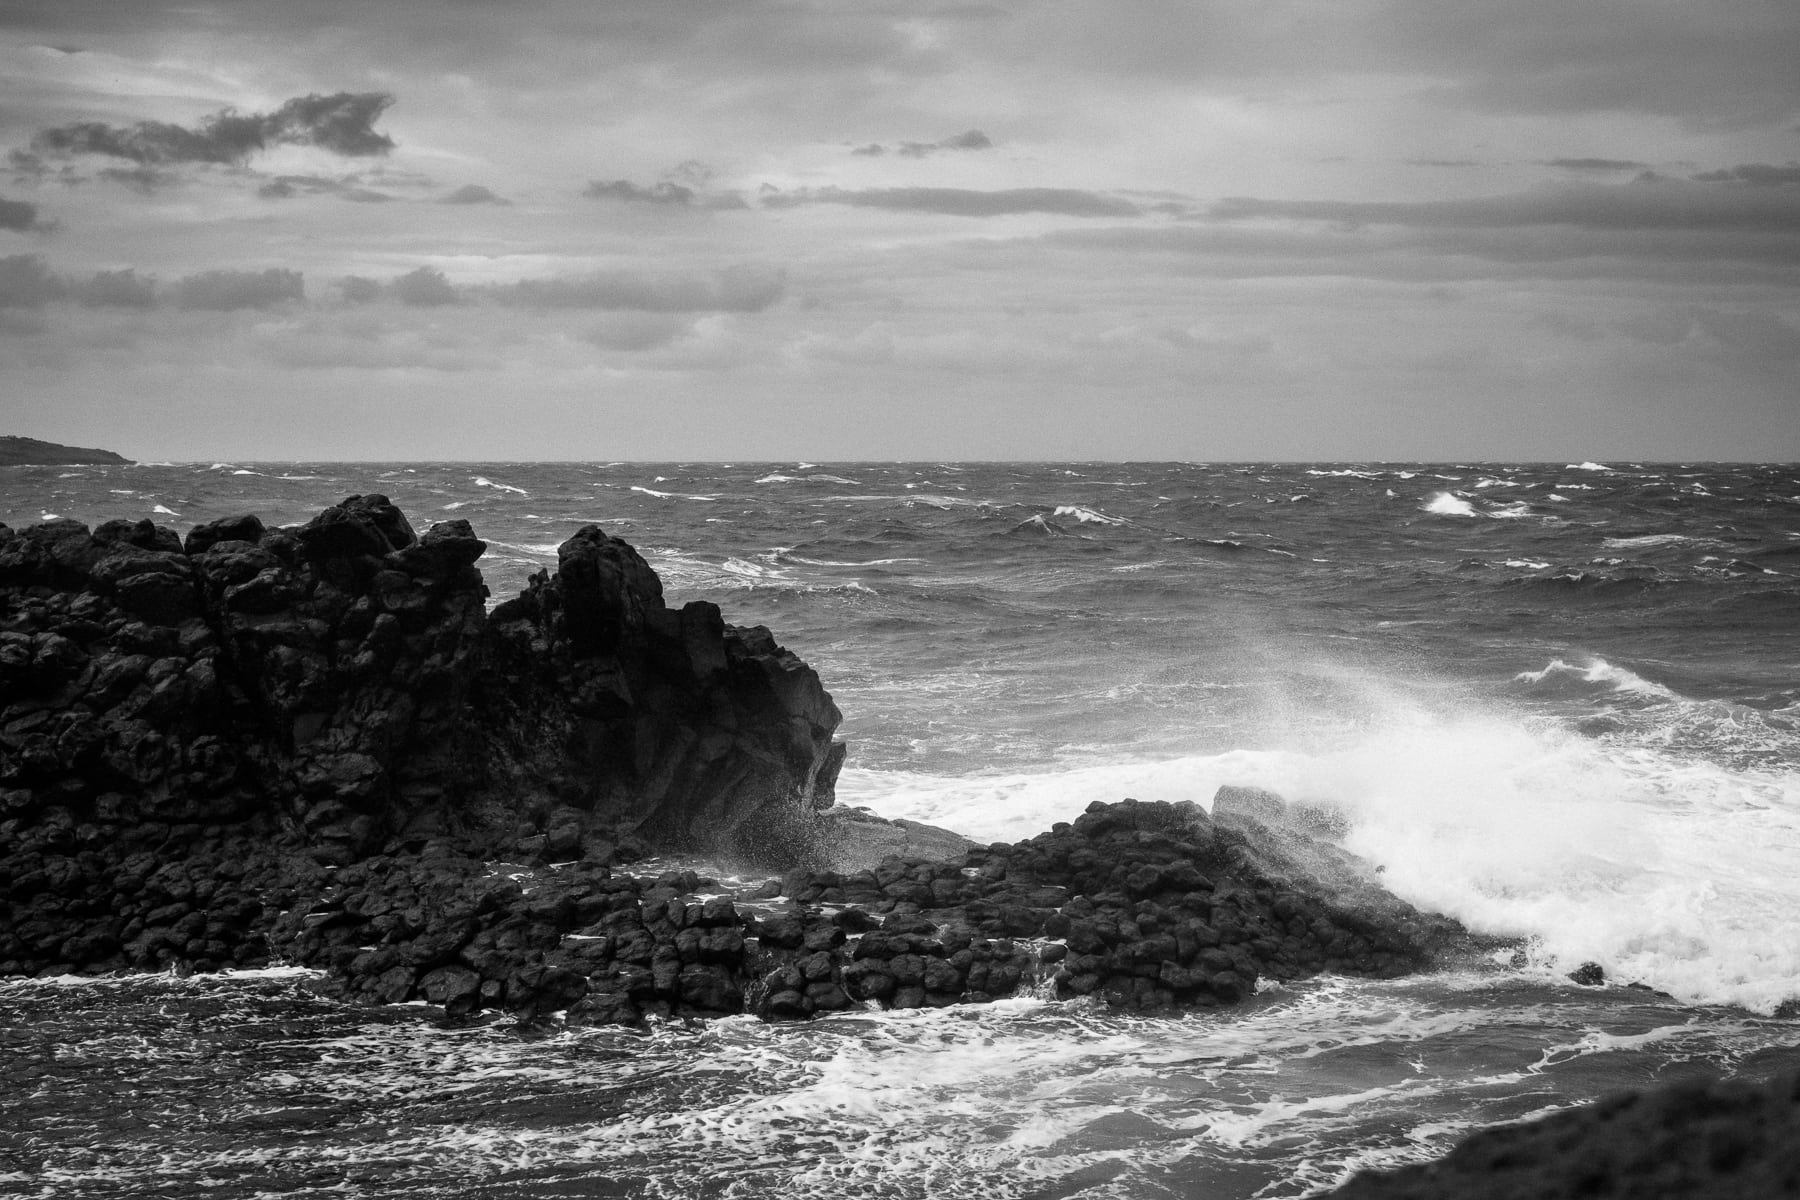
176 717
317 745
1144 906
1723 1140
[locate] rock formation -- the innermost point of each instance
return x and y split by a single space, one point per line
171 710
317 745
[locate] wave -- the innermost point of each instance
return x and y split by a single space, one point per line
484 481
1596 672
777 477
668 495
1449 504
1087 516
1664 868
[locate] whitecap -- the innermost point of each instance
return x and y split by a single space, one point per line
165 511
1447 504
1587 466
484 481
1087 515
1650 541
669 495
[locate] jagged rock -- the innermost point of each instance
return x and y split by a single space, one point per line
332 687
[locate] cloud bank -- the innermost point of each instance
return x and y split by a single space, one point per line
341 123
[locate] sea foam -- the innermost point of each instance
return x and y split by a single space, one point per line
1662 866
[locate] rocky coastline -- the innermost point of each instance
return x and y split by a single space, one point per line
319 745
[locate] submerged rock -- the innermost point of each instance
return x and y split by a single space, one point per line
1701 1140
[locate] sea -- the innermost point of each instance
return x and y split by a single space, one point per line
1558 701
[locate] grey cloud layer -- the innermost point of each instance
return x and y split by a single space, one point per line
342 123
1650 204
18 215
962 202
27 281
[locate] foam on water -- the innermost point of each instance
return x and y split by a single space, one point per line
1663 865
1447 504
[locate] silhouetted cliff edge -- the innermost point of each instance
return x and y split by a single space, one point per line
18 451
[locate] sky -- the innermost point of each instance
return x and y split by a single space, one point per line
885 229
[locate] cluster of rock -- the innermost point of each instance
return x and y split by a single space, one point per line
1143 905
339 689
1700 1140
317 744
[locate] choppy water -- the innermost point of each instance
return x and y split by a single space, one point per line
1560 701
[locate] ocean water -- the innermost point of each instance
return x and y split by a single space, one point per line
1559 701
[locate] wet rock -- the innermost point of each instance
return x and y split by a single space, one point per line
1694 1141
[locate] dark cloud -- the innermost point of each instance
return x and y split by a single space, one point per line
26 281
424 288
1756 175
142 179
473 193
341 123
225 290
666 192
638 331
287 187
1754 334
972 139
116 289
961 202
359 290
20 216
734 289
1639 205
1598 164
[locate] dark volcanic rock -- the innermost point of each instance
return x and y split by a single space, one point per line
335 688
317 744
1689 1141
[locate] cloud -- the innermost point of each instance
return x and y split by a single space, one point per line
20 216
666 192
972 139
1661 204
1755 174
1598 164
287 187
26 281
1753 335
734 289
142 179
473 193
961 202
638 331
425 288
224 290
116 289
359 290
341 123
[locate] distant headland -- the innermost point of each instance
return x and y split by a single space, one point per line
23 452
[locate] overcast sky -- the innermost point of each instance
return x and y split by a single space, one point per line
829 229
